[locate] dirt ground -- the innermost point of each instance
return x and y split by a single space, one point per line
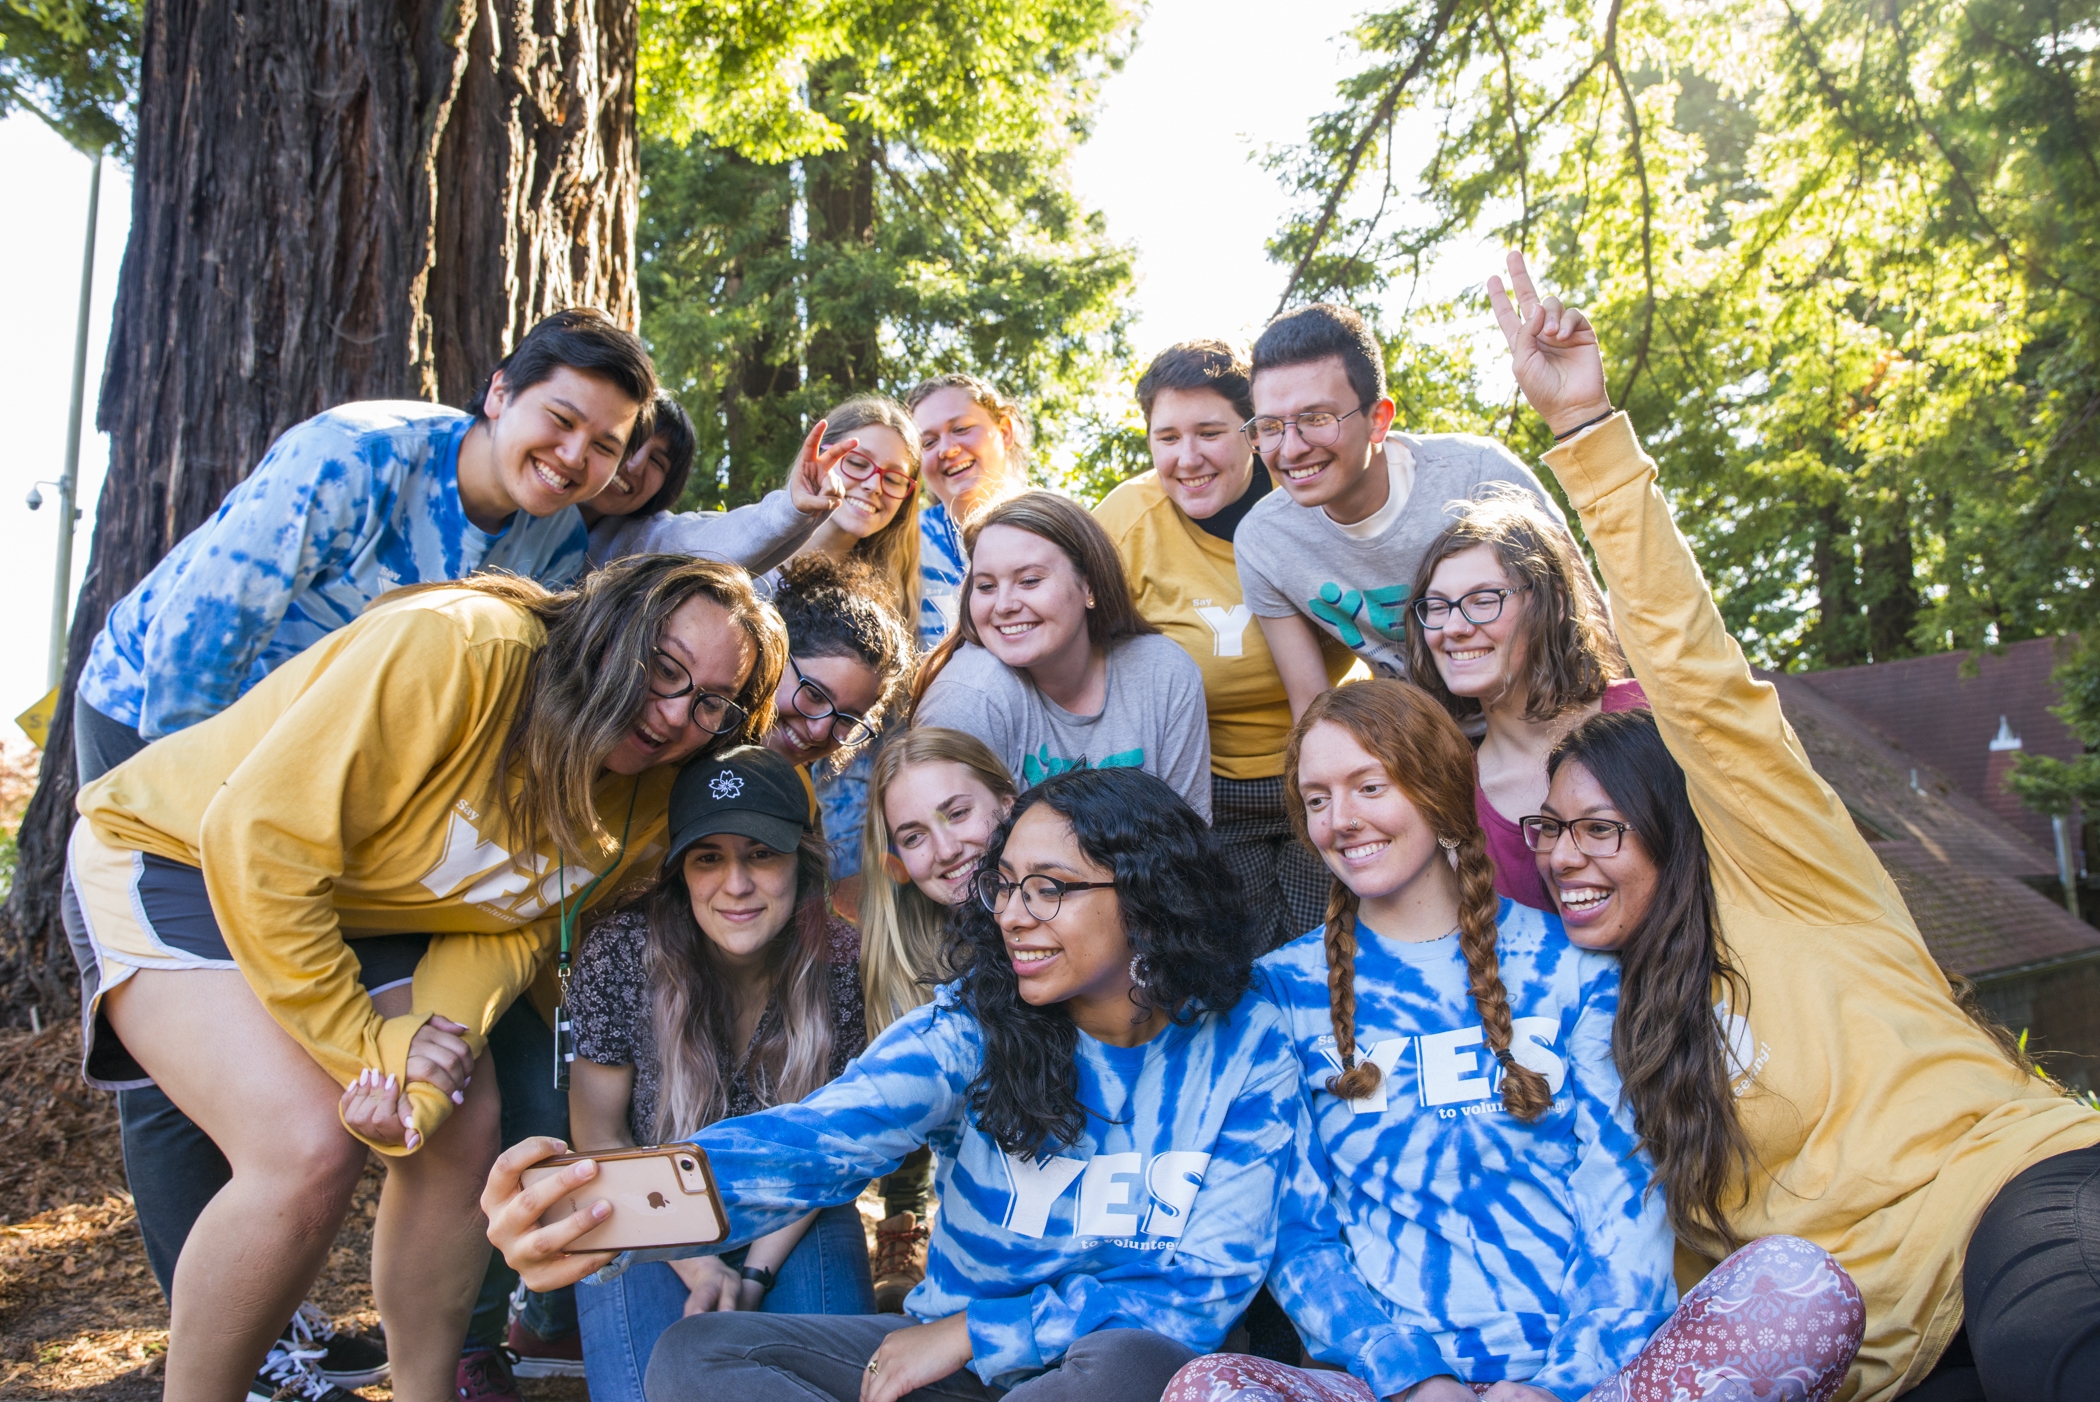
80 1314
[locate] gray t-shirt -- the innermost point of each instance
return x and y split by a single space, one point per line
1294 559
1153 719
759 537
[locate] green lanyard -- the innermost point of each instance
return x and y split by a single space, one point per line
564 1037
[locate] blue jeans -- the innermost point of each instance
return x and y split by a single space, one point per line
827 1273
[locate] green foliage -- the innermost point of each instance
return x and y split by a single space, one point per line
926 224
1839 260
2053 786
75 64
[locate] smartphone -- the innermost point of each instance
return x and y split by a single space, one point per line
661 1195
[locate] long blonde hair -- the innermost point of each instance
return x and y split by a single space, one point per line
901 928
590 680
695 1008
892 552
1428 757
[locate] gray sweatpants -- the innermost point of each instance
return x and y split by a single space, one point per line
820 1358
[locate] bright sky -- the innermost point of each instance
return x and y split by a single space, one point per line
1172 165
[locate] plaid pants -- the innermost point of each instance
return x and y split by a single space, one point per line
1285 885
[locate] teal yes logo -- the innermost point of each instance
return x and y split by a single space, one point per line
1043 765
1383 611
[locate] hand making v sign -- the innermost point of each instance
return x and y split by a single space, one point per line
1553 353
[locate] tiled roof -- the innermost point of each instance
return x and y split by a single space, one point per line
1927 708
1958 864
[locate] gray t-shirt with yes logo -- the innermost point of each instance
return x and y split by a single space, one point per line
1294 559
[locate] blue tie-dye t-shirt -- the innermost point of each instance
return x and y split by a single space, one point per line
1162 1216
344 507
942 565
1429 1230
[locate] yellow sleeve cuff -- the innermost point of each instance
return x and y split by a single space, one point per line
1598 461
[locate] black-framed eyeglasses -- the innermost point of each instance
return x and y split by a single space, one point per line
813 702
1318 428
1478 606
857 467
1040 895
1594 837
668 678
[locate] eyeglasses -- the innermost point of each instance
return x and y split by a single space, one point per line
1040 895
1319 429
1594 837
668 678
813 702
1480 606
895 485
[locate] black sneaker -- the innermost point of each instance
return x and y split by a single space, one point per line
347 1360
289 1375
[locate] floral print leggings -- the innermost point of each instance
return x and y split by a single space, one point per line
1779 1321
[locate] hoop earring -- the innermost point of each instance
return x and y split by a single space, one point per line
1138 971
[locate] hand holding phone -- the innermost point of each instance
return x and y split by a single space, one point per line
661 1195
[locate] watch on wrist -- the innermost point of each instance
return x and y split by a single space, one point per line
764 1277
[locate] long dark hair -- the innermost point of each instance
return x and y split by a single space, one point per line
1180 907
1429 758
1673 1059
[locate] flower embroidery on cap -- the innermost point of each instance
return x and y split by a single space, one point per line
725 785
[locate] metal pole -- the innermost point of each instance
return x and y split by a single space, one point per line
69 480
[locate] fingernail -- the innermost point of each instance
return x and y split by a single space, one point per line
414 1139
458 1098
389 1080
600 1208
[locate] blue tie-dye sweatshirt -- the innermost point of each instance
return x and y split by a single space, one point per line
1162 1217
1429 1230
344 507
942 564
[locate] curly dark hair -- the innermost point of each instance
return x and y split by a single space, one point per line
1180 907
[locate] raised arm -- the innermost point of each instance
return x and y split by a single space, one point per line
1772 825
1295 645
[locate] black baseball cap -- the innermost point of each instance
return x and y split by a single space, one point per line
749 791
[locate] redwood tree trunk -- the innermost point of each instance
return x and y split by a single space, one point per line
331 200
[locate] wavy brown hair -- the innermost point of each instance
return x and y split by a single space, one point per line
1570 655
1673 1059
589 681
1079 537
1430 760
693 1007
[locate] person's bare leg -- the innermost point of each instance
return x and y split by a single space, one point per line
430 1244
256 1248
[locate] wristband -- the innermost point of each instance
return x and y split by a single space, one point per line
764 1277
1564 437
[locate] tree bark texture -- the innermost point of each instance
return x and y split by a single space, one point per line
331 200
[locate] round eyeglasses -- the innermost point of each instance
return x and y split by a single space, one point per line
813 702
1318 428
1041 895
1480 606
668 678
895 485
1594 837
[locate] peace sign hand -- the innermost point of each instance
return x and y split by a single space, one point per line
813 482
1553 352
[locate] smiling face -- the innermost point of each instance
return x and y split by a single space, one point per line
865 508
1600 899
1362 824
1203 460
717 654
964 448
1027 599
1082 953
853 687
743 893
559 442
1480 660
638 479
941 816
1332 476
